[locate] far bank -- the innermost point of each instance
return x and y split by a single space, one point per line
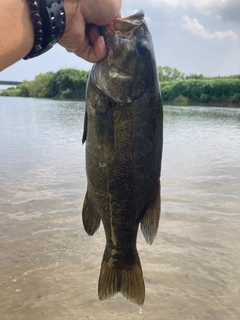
195 90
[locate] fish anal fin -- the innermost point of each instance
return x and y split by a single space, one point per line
90 216
121 276
150 221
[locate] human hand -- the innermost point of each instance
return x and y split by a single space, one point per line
81 35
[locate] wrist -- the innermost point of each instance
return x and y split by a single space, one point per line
27 28
49 21
70 7
17 34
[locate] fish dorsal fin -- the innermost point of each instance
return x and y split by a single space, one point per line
150 221
90 216
84 137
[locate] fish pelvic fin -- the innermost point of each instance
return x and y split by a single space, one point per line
90 216
150 221
124 277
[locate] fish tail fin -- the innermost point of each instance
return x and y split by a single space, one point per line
125 277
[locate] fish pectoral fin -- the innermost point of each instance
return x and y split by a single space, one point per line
84 137
90 216
121 276
150 221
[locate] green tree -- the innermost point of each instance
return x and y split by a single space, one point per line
40 87
167 73
69 84
195 76
25 88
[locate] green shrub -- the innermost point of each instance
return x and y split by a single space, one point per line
235 98
40 87
203 91
69 84
181 99
11 92
204 98
63 84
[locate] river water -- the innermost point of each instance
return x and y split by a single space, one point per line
49 266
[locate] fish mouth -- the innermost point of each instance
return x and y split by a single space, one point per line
131 22
109 75
125 26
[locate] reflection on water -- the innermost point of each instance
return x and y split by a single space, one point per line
50 267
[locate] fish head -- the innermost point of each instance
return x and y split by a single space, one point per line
129 67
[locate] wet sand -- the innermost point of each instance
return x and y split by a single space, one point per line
51 269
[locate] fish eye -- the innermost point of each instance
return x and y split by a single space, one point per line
142 47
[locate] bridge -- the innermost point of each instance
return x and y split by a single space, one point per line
9 83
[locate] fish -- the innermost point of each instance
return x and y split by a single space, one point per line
123 132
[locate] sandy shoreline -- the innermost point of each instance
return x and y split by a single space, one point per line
191 271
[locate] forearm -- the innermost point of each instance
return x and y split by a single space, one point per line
16 31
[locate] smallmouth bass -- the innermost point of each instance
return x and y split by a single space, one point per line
123 131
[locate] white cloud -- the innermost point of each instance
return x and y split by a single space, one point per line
225 9
168 3
193 26
221 9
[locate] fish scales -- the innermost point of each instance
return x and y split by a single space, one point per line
123 133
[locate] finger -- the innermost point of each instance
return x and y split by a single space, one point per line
94 53
100 12
93 34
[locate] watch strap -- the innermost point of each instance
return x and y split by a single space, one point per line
49 22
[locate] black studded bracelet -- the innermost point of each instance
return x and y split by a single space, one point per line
49 21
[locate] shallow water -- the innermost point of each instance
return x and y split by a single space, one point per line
50 266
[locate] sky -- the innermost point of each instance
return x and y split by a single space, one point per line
194 36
